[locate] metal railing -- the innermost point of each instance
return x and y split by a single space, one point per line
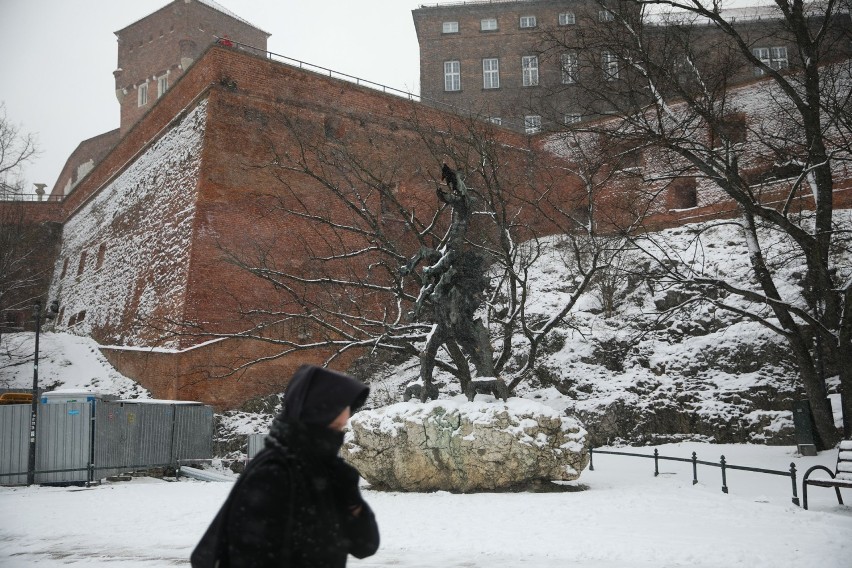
466 2
331 73
30 197
721 464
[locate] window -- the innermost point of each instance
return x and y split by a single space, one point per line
779 57
77 318
731 129
573 118
82 265
567 19
142 94
629 158
774 173
774 57
532 124
452 76
491 73
162 85
64 268
606 16
450 28
101 253
496 120
528 21
683 194
488 24
529 65
569 68
610 65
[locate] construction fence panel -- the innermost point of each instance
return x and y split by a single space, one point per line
14 443
63 442
256 442
124 436
193 438
151 427
112 449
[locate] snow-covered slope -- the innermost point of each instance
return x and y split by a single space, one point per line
634 375
65 362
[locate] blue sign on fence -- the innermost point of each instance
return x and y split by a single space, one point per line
73 412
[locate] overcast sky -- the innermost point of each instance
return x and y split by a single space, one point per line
59 55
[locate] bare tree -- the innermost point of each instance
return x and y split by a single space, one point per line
668 72
372 234
16 149
20 274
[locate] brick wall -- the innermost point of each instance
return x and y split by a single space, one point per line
127 248
202 373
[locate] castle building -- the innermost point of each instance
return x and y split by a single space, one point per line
525 64
153 53
486 58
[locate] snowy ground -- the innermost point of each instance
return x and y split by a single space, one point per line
623 518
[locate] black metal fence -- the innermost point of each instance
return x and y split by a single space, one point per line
722 464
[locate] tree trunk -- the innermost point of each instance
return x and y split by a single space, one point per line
427 360
817 396
844 358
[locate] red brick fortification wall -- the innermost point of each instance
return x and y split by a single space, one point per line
727 209
261 107
33 212
190 88
197 373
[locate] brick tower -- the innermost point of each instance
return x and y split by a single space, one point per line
155 51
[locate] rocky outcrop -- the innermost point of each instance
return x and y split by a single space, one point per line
460 446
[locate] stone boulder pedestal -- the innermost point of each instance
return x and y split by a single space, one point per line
460 446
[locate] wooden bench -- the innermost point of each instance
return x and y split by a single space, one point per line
840 477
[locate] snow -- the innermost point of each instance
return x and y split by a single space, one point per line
143 276
66 362
619 516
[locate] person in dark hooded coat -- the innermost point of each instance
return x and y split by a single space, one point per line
297 504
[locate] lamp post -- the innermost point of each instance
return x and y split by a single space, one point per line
51 313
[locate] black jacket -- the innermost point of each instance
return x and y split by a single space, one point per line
296 505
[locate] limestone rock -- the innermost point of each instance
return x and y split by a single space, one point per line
460 446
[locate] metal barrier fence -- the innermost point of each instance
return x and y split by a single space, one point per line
722 464
254 444
84 442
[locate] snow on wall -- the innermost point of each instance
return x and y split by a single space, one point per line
132 240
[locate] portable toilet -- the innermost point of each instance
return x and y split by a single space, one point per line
62 396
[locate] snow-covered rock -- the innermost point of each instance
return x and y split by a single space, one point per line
461 446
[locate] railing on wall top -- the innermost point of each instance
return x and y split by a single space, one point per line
30 197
